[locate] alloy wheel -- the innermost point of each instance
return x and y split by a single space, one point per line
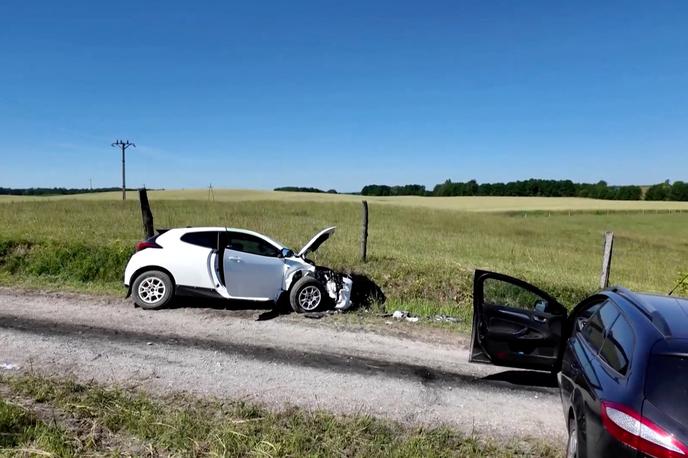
309 298
151 290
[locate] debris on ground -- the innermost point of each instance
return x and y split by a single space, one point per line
268 315
9 367
404 315
447 319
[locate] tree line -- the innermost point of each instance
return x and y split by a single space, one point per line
678 190
304 189
535 188
52 191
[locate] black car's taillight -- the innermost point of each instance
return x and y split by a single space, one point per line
629 427
145 244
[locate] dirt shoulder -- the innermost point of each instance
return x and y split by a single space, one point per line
392 371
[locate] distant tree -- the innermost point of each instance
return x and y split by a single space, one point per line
298 189
376 190
403 190
628 193
678 191
658 192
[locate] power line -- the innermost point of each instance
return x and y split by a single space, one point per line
123 146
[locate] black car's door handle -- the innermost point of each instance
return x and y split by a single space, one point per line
540 319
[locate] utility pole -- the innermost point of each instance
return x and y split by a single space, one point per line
123 146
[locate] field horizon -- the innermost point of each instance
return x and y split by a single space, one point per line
496 204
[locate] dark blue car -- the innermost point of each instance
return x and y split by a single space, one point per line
621 360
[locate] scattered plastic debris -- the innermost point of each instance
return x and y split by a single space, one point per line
404 315
314 315
9 366
344 296
446 318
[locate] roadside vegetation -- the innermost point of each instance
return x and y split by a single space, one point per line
23 434
422 257
89 419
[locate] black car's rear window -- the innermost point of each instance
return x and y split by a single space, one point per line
666 385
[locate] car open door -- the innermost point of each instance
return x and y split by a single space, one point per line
514 323
253 267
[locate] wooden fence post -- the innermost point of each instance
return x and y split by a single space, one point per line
146 214
364 232
607 259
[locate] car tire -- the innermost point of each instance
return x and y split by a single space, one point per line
153 290
308 295
572 443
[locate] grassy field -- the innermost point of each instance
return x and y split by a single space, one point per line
51 417
421 255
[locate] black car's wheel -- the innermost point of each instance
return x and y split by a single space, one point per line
572 445
153 290
308 295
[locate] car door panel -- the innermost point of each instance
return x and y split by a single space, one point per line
252 276
515 324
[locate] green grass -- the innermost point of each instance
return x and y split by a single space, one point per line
22 434
186 426
423 258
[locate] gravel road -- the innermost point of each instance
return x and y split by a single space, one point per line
419 376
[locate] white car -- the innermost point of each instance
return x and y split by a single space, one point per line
232 263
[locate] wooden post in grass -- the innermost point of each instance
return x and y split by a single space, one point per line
606 259
146 214
364 232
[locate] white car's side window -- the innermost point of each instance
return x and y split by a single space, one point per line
205 239
247 243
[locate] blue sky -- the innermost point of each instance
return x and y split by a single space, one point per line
342 93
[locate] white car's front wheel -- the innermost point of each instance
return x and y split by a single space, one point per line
308 295
153 290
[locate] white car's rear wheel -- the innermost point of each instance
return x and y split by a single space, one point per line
153 290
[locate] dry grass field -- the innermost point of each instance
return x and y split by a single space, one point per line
472 203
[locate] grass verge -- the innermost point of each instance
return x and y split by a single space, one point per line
187 426
21 433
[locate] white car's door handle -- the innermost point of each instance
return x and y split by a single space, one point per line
234 259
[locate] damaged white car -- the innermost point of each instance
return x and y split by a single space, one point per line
232 264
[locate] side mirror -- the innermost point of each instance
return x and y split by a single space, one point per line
286 253
540 306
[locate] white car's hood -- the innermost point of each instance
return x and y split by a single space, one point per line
316 241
